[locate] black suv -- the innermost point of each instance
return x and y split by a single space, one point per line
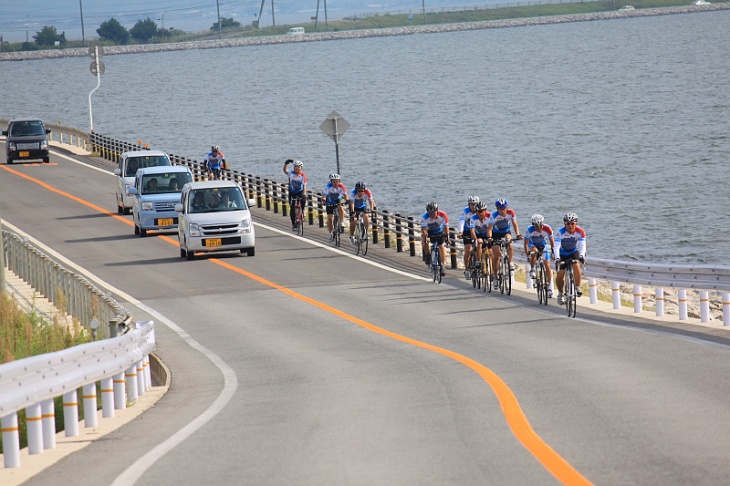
27 139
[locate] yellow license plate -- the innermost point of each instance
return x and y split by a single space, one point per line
165 222
23 154
212 242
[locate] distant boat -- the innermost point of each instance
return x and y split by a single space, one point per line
700 2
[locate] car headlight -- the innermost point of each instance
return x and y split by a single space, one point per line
44 145
194 229
148 206
11 146
246 226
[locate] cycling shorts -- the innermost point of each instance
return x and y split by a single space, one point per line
541 249
330 208
437 238
466 237
564 258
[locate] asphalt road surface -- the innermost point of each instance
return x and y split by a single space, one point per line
304 365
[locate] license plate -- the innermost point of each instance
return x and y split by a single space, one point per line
212 242
165 222
23 154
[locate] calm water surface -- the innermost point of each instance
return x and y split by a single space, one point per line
624 122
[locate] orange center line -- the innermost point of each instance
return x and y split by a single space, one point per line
516 419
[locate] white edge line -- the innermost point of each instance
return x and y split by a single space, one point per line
230 381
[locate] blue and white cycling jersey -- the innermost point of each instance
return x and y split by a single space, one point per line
334 194
480 225
297 182
501 225
534 238
569 243
435 224
465 220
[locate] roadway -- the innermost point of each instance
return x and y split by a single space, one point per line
304 365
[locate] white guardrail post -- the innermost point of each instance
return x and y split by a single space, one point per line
726 308
33 383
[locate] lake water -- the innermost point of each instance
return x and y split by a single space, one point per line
624 122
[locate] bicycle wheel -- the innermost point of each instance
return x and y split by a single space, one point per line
364 240
336 229
473 270
487 275
502 274
543 284
300 219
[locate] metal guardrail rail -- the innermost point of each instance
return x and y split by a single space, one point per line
121 365
68 291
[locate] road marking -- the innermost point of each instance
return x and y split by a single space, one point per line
511 409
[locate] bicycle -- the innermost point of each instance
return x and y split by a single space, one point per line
570 295
335 235
475 271
436 268
486 269
504 271
361 235
540 280
298 215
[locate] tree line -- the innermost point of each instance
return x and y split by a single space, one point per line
113 31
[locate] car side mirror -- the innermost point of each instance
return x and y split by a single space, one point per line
118 172
5 132
48 130
179 207
132 191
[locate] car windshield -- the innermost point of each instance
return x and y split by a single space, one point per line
217 199
26 129
162 183
135 163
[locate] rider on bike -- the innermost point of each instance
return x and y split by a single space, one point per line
434 229
297 187
500 227
536 238
571 239
334 192
465 231
214 161
479 228
361 201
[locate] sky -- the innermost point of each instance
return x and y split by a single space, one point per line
20 20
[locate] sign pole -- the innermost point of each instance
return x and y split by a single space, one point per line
334 126
97 69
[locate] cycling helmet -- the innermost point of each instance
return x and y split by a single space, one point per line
473 199
334 177
360 185
537 219
481 206
432 207
215 148
298 163
570 217
501 203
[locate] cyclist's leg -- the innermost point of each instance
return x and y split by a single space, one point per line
330 212
366 219
341 210
577 278
442 254
425 239
353 221
292 209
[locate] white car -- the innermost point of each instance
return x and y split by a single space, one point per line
700 2
129 162
214 216
156 191
626 8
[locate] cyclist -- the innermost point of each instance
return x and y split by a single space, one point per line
571 240
334 193
500 227
297 187
465 231
434 229
537 237
361 201
479 228
214 161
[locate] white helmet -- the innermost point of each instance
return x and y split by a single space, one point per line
537 219
334 177
473 199
298 163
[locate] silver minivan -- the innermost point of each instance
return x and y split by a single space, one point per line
129 162
214 216
156 191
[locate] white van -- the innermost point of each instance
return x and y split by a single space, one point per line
214 216
156 191
129 162
296 31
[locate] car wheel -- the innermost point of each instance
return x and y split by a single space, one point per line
119 209
46 159
10 162
189 255
142 232
127 210
183 253
251 251
136 229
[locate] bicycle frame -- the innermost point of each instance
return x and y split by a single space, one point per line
436 261
361 234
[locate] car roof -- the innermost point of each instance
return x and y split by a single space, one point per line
211 184
143 153
163 169
25 120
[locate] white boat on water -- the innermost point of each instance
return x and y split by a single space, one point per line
700 2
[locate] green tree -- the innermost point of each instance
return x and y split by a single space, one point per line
114 31
48 37
144 30
226 24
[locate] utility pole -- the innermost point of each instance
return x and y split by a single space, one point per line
218 7
81 9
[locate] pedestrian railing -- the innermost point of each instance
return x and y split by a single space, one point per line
119 365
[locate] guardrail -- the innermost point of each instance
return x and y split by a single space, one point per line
120 366
68 291
403 233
